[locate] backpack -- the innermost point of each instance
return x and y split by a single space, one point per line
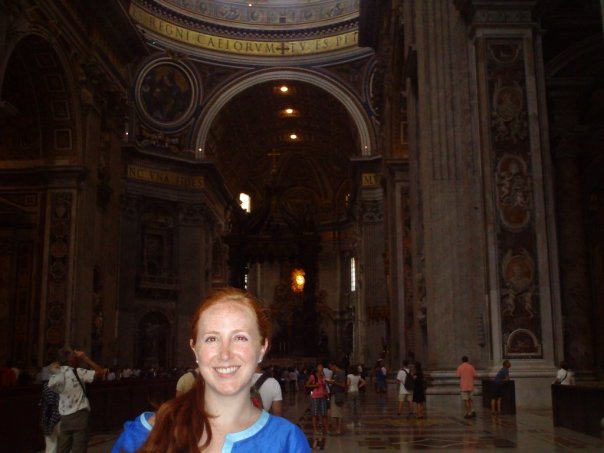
255 391
409 381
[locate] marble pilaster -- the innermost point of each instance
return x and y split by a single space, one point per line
575 287
506 61
449 190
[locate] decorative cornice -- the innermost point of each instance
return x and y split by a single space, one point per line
485 13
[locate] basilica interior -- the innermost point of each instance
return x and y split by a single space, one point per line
393 178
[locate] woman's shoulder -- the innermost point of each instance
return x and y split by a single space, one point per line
290 433
279 425
272 434
134 434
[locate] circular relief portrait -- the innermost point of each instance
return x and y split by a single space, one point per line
167 94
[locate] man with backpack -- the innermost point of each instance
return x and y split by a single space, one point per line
266 391
405 392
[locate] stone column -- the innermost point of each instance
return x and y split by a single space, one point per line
374 304
449 189
577 307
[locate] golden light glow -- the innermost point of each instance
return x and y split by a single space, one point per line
289 112
293 136
298 280
284 89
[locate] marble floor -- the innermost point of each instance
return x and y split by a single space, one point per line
443 429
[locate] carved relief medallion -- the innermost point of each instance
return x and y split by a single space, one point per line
514 192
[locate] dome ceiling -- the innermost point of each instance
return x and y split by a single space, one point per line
278 14
252 31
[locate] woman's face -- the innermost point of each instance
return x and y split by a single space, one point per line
228 347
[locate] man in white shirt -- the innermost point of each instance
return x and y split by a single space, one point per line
68 381
270 391
565 376
404 395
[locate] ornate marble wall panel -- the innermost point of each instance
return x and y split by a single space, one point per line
60 236
516 236
7 251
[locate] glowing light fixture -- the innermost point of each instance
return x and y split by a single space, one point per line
298 280
293 136
246 202
284 89
289 111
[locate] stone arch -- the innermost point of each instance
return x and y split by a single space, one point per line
38 102
348 99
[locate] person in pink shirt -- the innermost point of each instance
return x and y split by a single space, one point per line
466 373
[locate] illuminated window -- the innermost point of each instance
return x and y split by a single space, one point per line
353 275
246 202
298 280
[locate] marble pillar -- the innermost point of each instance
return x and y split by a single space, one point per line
520 259
452 235
577 307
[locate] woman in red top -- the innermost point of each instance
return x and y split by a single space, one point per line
318 398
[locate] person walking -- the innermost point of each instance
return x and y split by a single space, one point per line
502 376
466 374
50 417
338 396
68 380
317 385
405 388
380 377
419 390
354 384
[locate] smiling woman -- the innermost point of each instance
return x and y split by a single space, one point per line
230 333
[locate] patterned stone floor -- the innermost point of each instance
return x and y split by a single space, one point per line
446 429
443 430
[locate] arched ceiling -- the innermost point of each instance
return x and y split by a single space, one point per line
251 136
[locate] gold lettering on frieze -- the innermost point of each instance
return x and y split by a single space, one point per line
369 179
168 178
241 46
